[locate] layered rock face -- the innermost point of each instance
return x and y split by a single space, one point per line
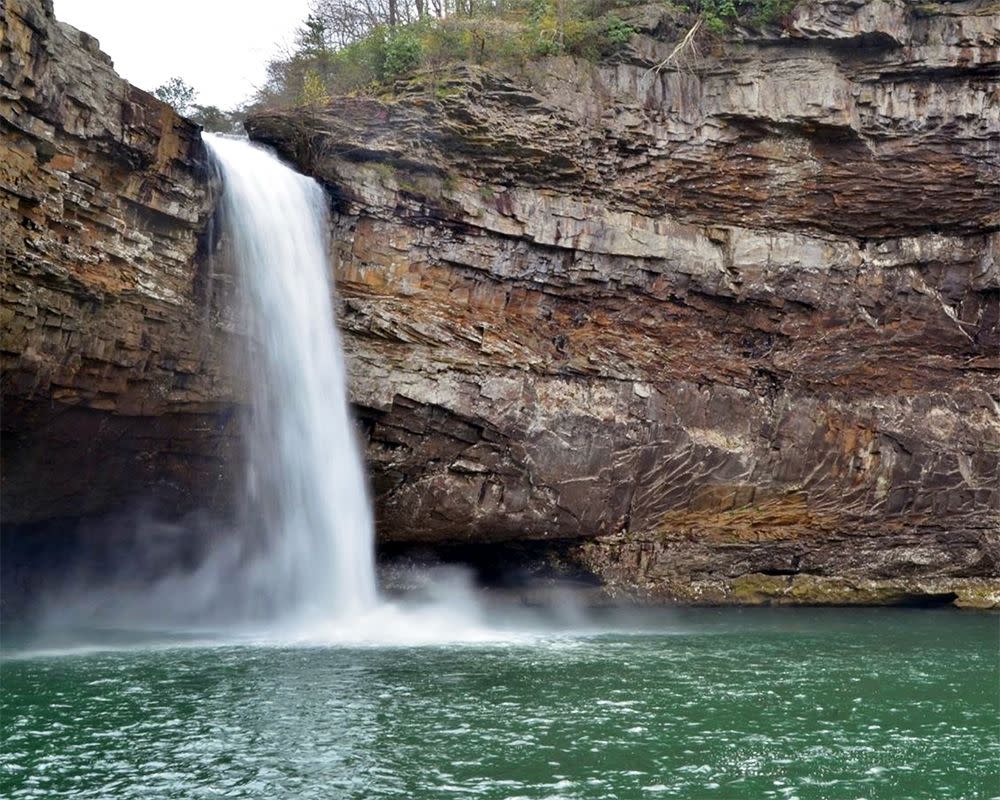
726 330
113 358
721 332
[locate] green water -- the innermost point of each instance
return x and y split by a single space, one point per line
711 704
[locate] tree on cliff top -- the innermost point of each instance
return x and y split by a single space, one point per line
177 93
181 96
361 45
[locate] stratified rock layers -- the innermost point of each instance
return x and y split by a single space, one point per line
732 325
112 372
721 333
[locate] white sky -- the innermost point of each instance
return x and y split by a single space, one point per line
219 47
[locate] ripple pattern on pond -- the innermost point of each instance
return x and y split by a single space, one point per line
727 704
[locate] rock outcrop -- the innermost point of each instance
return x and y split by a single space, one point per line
722 332
114 384
726 331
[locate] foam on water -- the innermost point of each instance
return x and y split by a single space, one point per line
876 703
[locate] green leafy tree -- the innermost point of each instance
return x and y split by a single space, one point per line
313 90
215 120
175 92
313 37
402 53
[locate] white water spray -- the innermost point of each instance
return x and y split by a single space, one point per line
305 486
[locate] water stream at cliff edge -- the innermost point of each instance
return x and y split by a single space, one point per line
312 562
305 485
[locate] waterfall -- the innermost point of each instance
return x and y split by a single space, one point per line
299 564
306 493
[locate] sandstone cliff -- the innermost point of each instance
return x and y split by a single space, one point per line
722 333
111 368
731 325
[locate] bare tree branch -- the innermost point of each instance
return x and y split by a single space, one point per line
685 45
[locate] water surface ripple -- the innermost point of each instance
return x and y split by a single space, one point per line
697 704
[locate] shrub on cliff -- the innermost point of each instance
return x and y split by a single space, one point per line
365 45
177 93
403 52
719 15
352 48
181 96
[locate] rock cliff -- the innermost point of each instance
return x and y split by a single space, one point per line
726 330
113 373
722 332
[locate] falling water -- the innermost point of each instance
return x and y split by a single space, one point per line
305 484
300 565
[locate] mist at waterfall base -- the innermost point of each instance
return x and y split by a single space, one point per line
299 563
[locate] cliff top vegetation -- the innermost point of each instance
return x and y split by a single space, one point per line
360 46
365 46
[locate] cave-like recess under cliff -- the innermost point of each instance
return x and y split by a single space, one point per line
725 332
